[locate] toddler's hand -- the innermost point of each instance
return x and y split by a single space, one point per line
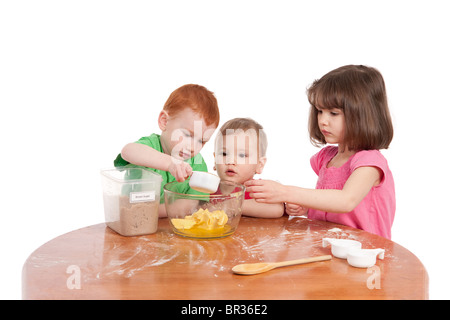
180 170
295 209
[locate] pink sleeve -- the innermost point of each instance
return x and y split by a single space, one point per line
322 156
370 158
315 163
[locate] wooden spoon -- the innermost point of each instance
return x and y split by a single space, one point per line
255 268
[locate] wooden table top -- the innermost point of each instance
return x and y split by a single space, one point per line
97 263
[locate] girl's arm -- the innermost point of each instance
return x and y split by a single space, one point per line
251 208
142 155
355 189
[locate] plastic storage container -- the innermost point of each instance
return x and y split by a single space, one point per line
131 200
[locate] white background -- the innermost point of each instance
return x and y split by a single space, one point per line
79 79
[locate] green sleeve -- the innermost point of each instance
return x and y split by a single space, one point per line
119 161
153 141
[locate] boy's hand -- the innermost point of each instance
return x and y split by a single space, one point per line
293 209
265 191
180 170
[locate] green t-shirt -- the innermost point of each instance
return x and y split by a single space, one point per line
154 141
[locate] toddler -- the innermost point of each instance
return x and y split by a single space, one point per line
349 111
240 153
187 121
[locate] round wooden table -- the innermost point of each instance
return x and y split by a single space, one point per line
97 263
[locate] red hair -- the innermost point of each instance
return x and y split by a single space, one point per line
198 99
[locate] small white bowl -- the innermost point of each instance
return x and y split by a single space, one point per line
364 258
340 247
204 182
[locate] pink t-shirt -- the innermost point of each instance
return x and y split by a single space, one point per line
375 213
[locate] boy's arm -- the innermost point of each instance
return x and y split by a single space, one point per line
251 208
143 155
146 156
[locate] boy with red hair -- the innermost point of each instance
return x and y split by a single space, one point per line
187 121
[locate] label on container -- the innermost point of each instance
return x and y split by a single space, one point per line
143 196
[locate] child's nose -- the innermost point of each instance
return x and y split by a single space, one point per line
323 119
195 146
230 160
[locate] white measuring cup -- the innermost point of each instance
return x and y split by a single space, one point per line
340 247
204 182
364 258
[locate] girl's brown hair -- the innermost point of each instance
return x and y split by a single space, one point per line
359 91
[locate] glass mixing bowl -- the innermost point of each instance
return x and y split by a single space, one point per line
202 215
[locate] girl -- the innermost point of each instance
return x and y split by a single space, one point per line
355 186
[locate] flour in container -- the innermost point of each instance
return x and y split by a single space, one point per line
131 219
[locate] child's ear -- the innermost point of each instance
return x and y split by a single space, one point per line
261 163
163 119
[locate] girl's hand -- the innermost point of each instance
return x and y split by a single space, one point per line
265 191
180 170
293 209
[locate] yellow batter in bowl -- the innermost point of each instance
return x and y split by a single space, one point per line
202 223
